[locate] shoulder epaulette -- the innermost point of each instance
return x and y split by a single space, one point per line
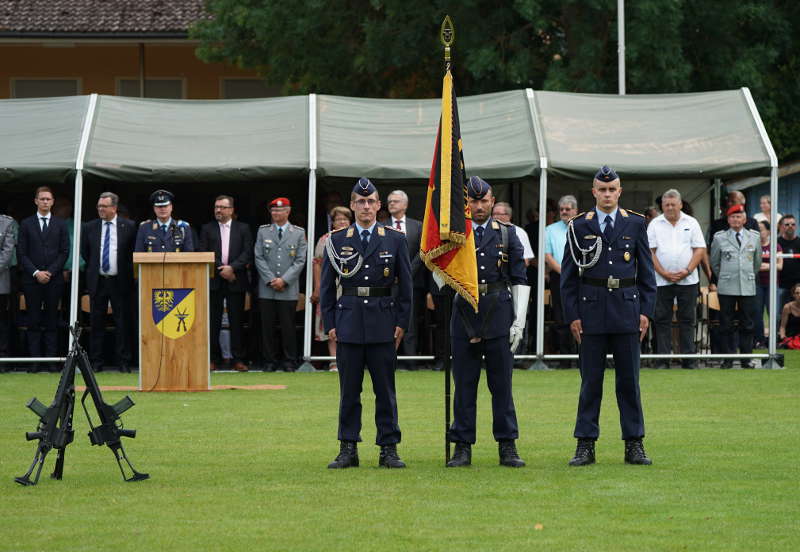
590 215
720 232
264 226
299 227
6 217
339 229
145 222
634 212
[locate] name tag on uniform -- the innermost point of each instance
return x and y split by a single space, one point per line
590 237
267 241
385 255
626 237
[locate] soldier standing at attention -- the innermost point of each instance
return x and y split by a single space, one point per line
367 321
735 260
493 332
163 234
280 255
608 290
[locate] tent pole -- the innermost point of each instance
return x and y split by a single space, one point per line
621 45
308 311
78 211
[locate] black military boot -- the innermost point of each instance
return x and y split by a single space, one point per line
347 458
389 458
462 456
508 454
584 453
635 454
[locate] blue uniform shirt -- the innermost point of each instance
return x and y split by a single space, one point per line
152 238
363 320
626 255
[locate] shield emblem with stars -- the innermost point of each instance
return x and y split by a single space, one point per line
173 311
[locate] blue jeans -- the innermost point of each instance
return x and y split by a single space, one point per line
762 304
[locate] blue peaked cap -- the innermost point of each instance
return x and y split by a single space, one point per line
477 187
364 187
606 174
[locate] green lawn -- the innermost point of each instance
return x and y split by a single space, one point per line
239 470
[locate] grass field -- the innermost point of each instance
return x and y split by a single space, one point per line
239 470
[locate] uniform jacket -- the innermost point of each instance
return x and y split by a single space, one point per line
7 242
386 262
91 251
240 252
150 238
42 251
497 305
284 258
627 255
736 267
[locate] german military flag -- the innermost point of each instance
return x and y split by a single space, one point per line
448 243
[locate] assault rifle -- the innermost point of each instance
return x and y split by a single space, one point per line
55 429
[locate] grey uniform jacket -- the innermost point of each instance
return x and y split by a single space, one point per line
736 267
282 258
8 240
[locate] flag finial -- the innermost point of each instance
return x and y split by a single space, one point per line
447 35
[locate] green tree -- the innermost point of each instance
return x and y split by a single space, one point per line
390 48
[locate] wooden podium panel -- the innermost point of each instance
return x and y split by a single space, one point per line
174 321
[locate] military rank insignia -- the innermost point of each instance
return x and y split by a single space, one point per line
174 311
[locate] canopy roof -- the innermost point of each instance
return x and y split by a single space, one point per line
705 135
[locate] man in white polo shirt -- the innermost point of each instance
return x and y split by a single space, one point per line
678 247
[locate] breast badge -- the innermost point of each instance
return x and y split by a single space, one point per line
627 256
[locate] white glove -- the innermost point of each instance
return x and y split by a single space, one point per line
438 279
520 295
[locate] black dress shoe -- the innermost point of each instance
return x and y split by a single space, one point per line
584 453
462 456
634 453
747 365
269 367
347 458
389 458
508 454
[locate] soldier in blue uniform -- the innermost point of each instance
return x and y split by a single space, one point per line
163 234
608 290
367 322
494 332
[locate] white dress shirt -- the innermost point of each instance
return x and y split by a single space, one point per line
112 246
40 216
527 251
674 245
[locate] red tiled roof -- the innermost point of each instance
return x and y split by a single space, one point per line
99 16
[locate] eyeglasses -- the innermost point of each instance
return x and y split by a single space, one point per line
364 202
222 207
790 224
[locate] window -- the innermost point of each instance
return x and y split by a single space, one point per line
237 89
44 88
168 88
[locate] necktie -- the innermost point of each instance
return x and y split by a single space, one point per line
44 224
609 228
739 239
398 225
364 239
106 263
164 229
280 233
478 236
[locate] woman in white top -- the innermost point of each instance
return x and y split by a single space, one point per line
766 205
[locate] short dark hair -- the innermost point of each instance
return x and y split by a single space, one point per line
229 198
766 224
784 217
43 189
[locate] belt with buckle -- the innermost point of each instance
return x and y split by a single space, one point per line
610 283
483 289
365 291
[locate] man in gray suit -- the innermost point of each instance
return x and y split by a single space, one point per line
280 254
735 260
397 204
8 239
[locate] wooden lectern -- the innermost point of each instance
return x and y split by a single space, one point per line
173 320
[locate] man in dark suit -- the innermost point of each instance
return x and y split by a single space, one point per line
107 248
42 251
412 228
232 244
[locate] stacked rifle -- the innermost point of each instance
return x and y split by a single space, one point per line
55 429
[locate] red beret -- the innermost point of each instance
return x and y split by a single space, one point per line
734 209
280 202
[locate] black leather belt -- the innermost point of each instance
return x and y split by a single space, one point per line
483 289
365 291
108 275
610 283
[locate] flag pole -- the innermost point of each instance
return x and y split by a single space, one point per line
447 36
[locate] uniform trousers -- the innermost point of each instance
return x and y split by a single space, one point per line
41 304
379 359
284 311
109 291
727 314
219 300
467 374
593 351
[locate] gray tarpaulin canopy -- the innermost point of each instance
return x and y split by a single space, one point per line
706 135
